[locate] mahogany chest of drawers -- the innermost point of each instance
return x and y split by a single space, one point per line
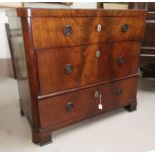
74 64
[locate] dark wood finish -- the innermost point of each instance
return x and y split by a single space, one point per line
76 68
129 52
147 57
87 68
41 138
77 13
132 106
11 49
85 64
85 102
31 69
50 31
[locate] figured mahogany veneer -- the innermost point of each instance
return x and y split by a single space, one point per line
50 31
86 67
85 103
74 64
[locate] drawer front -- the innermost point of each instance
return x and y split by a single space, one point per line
64 32
66 68
66 107
125 59
85 103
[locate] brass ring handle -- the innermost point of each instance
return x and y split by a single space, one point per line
67 30
119 92
69 106
68 69
125 28
121 60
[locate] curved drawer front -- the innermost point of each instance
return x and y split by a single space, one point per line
64 32
66 68
84 103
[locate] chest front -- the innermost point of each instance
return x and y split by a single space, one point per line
80 63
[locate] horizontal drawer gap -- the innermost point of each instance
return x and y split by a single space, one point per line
40 49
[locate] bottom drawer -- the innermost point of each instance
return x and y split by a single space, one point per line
86 102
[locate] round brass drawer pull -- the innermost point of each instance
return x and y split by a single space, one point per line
119 92
98 54
125 28
121 60
68 69
67 30
69 106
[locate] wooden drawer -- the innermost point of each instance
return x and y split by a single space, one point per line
54 110
84 103
85 67
66 68
50 32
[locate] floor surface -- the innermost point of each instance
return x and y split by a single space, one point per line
114 131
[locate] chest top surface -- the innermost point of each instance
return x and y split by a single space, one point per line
29 12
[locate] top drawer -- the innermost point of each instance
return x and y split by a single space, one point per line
52 32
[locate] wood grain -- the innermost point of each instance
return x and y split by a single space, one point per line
48 87
85 103
87 69
50 31
28 12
